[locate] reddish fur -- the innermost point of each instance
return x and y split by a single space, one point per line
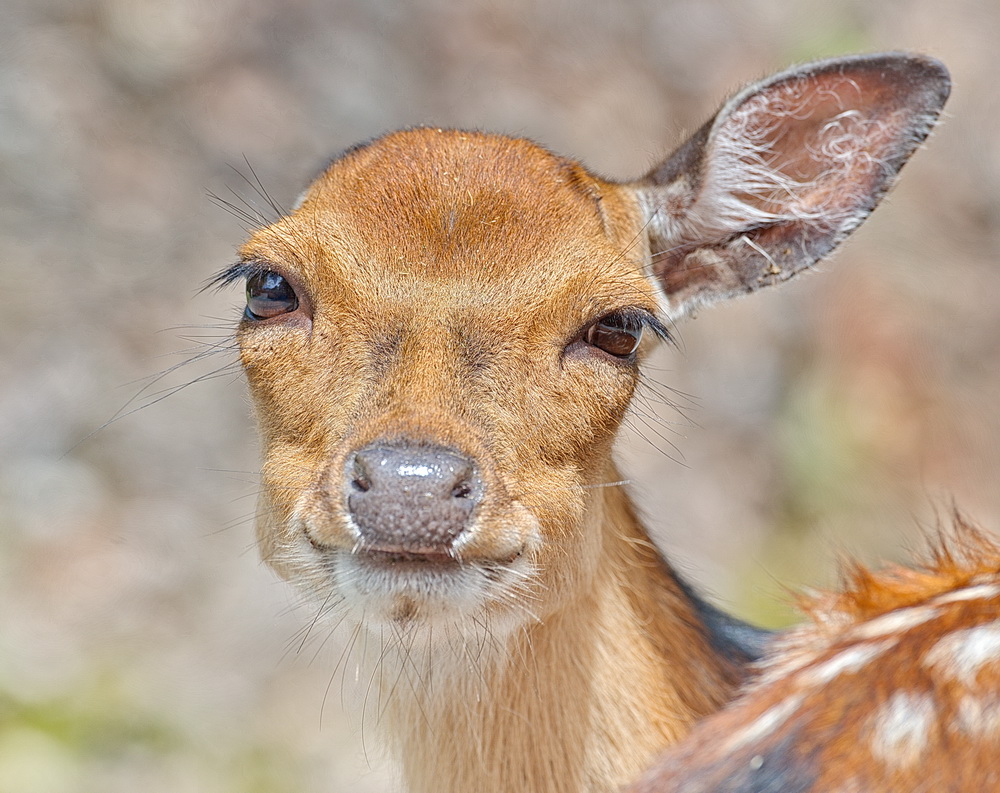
964 557
831 738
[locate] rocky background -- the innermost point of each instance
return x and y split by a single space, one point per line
142 646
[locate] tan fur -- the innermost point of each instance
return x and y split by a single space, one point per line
612 664
561 713
446 284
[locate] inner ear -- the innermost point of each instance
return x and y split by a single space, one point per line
783 173
788 152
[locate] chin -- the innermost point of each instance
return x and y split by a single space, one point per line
435 599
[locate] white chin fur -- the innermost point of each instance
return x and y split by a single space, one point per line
423 598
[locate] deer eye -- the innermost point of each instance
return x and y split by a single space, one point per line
269 295
615 334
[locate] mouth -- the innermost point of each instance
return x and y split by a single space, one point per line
400 557
406 581
390 557
424 585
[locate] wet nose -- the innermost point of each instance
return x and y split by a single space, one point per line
410 497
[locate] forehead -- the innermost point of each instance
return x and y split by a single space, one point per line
452 193
434 208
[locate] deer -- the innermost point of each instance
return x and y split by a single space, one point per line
441 341
892 685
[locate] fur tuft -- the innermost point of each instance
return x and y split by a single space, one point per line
957 556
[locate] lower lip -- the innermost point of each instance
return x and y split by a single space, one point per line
379 574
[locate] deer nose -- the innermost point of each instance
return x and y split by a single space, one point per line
410 497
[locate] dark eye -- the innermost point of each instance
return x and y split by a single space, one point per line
269 295
615 334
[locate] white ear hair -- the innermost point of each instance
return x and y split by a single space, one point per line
784 172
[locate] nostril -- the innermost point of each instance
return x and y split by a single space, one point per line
461 490
360 478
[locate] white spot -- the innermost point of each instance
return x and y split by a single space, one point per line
894 622
847 661
964 652
414 469
900 729
981 592
766 723
978 717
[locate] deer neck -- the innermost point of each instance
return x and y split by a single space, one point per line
579 702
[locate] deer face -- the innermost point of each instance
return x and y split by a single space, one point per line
441 342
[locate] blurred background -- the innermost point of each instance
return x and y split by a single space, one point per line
142 646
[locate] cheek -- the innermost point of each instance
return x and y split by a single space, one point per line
276 541
563 445
303 407
574 421
301 397
570 535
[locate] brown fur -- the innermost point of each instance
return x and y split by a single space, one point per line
562 713
885 689
446 282
617 664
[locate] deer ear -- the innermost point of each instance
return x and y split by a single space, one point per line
785 171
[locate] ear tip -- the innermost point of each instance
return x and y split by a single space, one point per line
924 70
934 68
922 74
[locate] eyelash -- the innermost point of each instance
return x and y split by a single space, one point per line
638 318
238 272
